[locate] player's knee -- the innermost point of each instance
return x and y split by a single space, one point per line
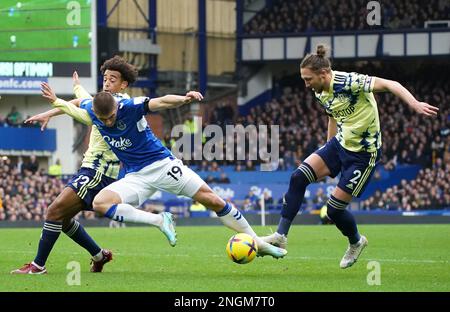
103 201
55 212
302 176
100 205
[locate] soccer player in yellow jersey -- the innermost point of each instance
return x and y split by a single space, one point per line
100 167
353 147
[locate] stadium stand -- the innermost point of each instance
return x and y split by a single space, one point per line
430 190
331 15
25 195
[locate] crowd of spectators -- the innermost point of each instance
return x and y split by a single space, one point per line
410 138
288 16
429 190
14 118
26 191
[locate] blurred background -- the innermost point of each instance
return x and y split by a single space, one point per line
244 57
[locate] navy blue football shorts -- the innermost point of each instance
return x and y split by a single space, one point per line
356 168
87 183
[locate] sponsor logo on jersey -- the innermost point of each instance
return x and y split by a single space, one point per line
120 143
344 112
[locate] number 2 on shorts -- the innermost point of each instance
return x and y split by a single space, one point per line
357 174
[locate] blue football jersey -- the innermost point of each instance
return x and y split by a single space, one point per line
131 139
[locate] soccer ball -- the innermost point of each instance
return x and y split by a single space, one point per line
241 248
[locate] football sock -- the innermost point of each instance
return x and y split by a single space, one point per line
300 179
79 235
50 233
233 219
98 256
343 219
38 266
127 213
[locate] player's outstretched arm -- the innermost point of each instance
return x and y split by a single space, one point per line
45 117
69 108
173 101
385 85
79 91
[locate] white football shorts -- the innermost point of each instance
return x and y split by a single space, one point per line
168 175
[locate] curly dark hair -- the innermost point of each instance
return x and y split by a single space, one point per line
129 72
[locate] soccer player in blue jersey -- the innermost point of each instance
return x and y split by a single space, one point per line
353 147
148 164
100 167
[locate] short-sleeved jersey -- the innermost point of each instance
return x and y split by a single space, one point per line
351 103
130 138
99 155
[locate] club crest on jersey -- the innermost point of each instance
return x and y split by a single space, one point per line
121 125
343 98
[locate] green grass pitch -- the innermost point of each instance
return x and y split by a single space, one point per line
42 33
411 258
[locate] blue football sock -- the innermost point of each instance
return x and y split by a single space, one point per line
50 233
300 179
343 219
226 209
78 234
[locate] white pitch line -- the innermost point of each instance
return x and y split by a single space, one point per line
149 254
379 260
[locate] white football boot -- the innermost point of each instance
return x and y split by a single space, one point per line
276 239
266 249
353 252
